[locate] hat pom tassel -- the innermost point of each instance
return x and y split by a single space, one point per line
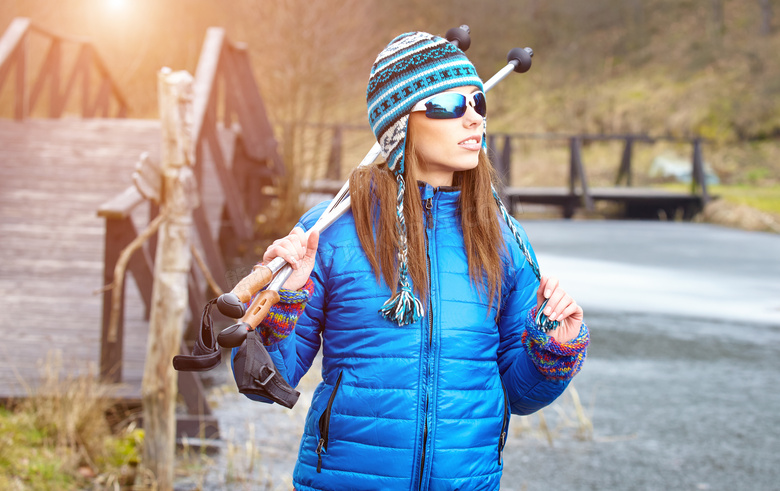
403 308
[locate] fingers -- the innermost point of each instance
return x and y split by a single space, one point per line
297 247
290 248
311 245
560 304
547 286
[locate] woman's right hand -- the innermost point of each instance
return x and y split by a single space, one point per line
299 249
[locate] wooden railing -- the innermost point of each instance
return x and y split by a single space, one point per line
577 192
502 159
14 54
245 159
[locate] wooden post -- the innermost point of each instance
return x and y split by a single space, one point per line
698 177
625 163
172 266
334 159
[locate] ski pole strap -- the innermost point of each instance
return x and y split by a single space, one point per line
256 373
205 354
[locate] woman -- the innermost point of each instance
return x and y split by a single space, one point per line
418 388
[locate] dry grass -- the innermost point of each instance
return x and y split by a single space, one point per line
569 417
60 436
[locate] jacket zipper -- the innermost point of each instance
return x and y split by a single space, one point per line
322 445
429 217
504 426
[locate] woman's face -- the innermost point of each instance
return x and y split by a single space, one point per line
447 145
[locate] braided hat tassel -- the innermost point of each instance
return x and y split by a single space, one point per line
543 323
403 308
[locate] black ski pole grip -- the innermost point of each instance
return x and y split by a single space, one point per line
520 58
459 36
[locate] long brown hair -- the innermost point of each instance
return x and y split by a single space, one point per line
373 190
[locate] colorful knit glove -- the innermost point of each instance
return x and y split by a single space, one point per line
281 319
556 361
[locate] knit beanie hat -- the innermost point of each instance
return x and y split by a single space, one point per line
412 67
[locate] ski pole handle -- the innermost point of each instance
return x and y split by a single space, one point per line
232 304
235 335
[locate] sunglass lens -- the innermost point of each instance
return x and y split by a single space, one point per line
446 106
479 104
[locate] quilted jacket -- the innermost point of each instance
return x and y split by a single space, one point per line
422 406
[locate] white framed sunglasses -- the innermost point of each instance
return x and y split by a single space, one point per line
451 105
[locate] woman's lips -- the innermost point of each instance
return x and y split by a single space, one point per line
471 143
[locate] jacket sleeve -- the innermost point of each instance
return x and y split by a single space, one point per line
294 355
528 389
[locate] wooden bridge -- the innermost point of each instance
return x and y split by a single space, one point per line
68 206
577 193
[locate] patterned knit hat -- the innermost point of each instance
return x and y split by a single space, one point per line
412 67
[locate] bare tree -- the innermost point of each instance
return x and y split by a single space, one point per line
766 17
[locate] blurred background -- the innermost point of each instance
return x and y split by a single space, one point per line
679 389
657 67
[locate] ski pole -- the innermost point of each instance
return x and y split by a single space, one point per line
518 60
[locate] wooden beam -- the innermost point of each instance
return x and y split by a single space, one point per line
624 172
577 172
81 66
172 267
119 233
334 158
20 102
11 43
205 79
698 174
101 100
121 205
47 68
86 80
213 258
233 203
251 96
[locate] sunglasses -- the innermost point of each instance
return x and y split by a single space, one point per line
451 105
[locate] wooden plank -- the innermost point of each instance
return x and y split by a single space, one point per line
55 175
11 43
121 205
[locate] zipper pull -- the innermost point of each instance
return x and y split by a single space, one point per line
428 214
501 443
319 454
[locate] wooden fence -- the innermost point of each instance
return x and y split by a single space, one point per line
244 158
14 53
577 191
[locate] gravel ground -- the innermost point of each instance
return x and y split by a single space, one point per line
679 386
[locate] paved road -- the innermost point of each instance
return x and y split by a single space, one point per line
681 380
680 384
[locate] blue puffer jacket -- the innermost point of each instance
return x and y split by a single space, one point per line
422 406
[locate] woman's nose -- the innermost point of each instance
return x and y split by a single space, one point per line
471 117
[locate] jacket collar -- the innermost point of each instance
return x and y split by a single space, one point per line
449 193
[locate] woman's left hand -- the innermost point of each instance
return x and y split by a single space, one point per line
560 307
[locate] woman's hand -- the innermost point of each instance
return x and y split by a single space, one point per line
560 307
299 249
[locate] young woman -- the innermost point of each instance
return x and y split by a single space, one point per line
423 298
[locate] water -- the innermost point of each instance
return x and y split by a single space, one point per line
680 384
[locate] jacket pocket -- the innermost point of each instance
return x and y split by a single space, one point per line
324 424
504 425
